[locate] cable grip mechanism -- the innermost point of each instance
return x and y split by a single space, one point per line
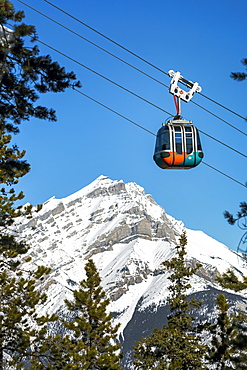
177 91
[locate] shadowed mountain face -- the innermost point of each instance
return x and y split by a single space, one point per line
128 236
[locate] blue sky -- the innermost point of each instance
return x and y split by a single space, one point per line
205 41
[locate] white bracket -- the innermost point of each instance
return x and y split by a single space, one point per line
177 91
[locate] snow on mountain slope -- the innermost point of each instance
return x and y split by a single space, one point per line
209 251
129 236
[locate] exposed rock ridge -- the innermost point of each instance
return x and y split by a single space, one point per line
128 236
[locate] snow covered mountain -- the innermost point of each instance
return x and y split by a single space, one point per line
128 236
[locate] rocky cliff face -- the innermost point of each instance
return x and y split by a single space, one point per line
128 235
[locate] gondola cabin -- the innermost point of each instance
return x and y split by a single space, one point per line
178 145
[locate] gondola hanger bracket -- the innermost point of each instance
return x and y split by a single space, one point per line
178 91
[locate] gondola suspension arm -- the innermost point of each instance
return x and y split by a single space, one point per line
177 91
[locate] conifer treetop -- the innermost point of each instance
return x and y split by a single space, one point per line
24 73
92 334
176 346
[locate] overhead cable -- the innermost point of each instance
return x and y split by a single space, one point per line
221 119
134 54
131 92
143 128
221 142
94 44
106 37
215 169
130 65
104 77
140 98
112 110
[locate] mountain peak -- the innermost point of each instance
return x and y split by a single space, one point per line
128 236
102 177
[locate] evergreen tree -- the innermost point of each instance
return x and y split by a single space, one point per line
228 280
239 342
24 75
238 322
228 346
241 220
176 346
240 76
93 338
222 332
242 214
22 330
